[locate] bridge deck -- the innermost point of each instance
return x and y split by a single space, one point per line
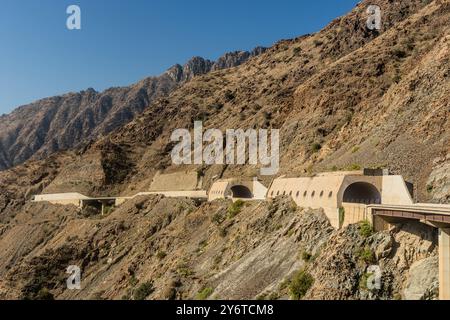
433 213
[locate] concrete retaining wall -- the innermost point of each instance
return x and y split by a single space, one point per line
178 181
354 213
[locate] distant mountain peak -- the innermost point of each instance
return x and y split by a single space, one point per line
197 66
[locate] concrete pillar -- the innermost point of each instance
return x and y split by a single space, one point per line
444 264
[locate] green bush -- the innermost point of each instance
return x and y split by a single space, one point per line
300 284
107 210
397 78
366 255
229 95
318 43
204 293
363 281
262 296
44 294
365 229
399 53
143 291
133 281
217 106
316 147
273 296
235 208
184 270
201 246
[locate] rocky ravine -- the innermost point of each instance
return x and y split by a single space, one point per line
160 248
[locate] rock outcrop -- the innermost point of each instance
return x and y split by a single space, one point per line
234 59
423 280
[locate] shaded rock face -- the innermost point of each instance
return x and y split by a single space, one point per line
438 185
260 271
195 67
59 123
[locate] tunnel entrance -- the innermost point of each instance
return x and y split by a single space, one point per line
362 192
241 192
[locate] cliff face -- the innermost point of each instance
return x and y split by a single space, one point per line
64 122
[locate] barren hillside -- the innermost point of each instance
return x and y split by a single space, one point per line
343 98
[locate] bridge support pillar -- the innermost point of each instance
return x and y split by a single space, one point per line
444 264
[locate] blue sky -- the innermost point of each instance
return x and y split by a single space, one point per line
123 41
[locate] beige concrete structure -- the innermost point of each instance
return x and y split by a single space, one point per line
244 189
334 190
75 199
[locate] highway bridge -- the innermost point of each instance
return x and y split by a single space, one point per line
435 215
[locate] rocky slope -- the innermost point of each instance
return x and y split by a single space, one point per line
59 123
157 248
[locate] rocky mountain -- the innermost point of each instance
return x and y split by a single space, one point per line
59 123
343 98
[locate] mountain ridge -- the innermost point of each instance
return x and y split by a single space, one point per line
63 122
